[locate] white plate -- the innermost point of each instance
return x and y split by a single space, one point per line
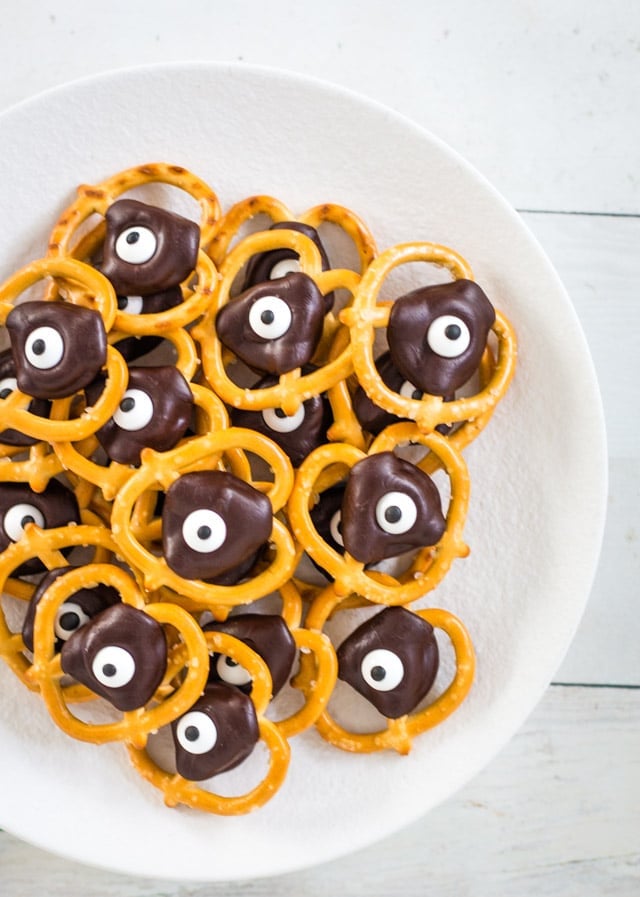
538 472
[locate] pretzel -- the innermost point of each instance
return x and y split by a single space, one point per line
366 314
331 462
37 469
399 733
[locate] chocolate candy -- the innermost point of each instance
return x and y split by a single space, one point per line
274 327
279 262
437 335
9 384
120 655
19 505
217 734
390 506
326 516
147 249
154 412
212 522
297 434
267 635
78 609
133 347
57 348
392 660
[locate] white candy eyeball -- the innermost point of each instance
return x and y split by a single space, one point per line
113 666
17 518
204 530
382 669
448 336
231 672
70 616
410 391
280 422
196 732
7 386
334 527
270 317
284 267
44 348
136 245
135 410
132 305
396 513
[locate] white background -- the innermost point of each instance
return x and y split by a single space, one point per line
544 99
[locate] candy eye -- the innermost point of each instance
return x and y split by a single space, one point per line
396 513
7 386
70 617
270 317
409 391
232 672
284 267
17 518
196 732
44 348
132 305
382 669
335 528
113 666
204 531
135 410
277 420
136 245
448 336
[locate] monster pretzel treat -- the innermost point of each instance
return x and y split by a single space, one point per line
8 385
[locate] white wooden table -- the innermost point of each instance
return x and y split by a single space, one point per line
544 99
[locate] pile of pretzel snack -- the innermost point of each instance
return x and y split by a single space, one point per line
194 418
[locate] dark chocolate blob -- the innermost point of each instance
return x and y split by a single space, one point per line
212 522
58 348
390 507
120 655
147 249
133 347
276 326
392 660
217 734
437 334
267 635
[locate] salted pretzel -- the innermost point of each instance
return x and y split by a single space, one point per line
327 466
40 465
179 790
399 732
365 315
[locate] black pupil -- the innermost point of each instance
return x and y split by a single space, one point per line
39 346
230 662
5 392
123 301
267 316
393 514
280 413
192 733
378 673
127 404
69 620
204 532
133 237
109 670
416 394
27 519
452 332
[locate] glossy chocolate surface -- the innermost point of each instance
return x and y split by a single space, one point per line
78 608
382 495
120 655
261 267
58 348
160 391
167 244
445 316
226 519
267 635
41 407
326 516
224 720
392 660
134 347
282 332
